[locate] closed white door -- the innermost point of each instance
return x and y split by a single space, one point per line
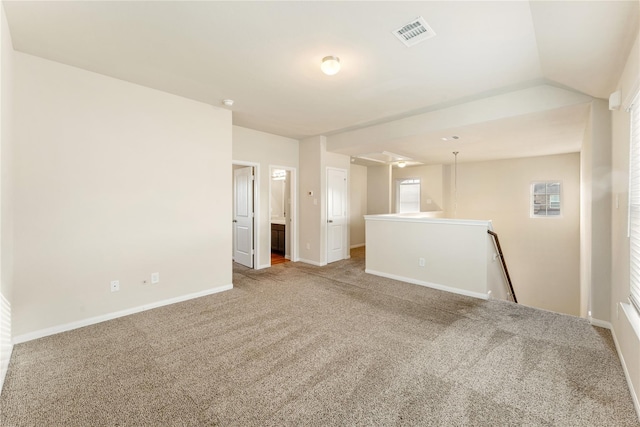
337 222
243 216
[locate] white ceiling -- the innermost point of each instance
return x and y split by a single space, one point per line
266 57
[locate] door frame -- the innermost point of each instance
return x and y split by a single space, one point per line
256 208
293 215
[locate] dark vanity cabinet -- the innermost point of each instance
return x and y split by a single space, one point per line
277 238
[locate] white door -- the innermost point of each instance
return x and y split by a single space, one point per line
243 216
336 214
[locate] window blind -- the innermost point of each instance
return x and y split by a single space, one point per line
634 204
409 195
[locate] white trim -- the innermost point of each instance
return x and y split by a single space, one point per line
5 370
263 266
600 323
110 316
427 220
6 347
359 245
429 284
308 261
634 395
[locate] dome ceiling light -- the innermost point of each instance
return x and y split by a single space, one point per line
330 65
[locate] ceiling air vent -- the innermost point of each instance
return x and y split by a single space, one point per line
414 32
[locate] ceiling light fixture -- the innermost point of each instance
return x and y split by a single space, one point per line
227 102
450 138
330 65
402 164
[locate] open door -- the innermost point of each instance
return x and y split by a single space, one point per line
243 216
337 222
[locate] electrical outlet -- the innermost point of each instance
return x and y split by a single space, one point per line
308 246
115 285
155 278
421 262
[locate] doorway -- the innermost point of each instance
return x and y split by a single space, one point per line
282 214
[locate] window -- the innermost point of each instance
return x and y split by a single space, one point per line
545 199
634 204
408 195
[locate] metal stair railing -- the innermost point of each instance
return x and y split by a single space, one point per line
496 242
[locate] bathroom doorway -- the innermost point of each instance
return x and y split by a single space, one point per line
282 214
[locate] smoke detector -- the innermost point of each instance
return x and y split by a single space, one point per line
414 32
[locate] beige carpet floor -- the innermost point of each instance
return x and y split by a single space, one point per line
314 346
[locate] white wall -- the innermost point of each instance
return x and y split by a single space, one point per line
6 194
357 204
431 184
379 190
598 206
314 161
113 181
624 320
542 254
455 252
311 200
265 150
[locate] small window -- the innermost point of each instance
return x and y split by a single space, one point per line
545 199
408 195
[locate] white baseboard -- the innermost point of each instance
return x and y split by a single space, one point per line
6 347
429 285
308 261
260 267
5 365
634 394
600 323
109 316
359 245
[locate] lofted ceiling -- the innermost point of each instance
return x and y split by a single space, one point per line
266 55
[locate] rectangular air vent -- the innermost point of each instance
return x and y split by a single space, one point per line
414 32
